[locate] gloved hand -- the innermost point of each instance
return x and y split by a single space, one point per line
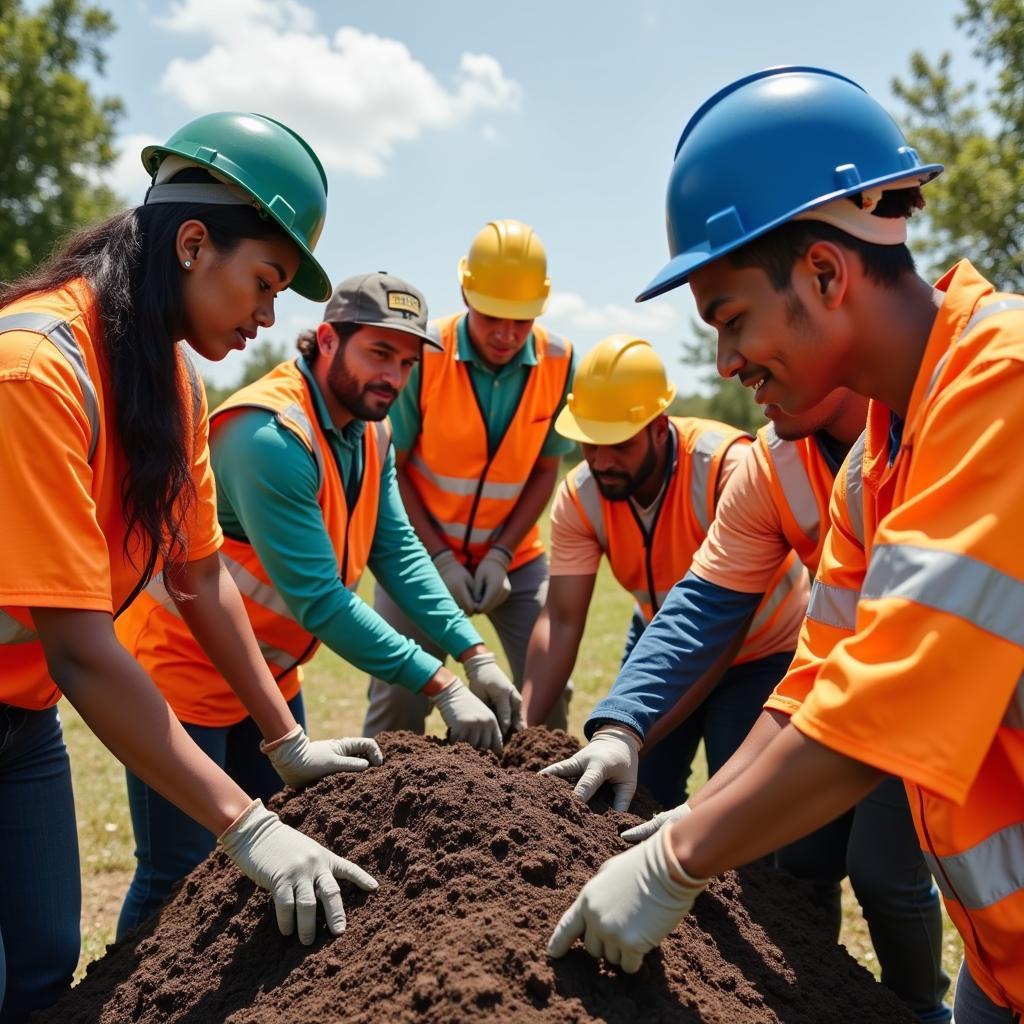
611 756
495 688
648 828
300 762
490 581
457 578
629 906
468 718
294 868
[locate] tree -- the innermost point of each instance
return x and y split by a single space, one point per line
260 359
976 208
55 135
727 400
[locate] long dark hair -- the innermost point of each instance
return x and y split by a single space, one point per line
131 265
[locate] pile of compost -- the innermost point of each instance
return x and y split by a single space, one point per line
477 859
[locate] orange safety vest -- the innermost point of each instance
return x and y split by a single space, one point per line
469 488
67 319
648 565
153 628
801 483
918 607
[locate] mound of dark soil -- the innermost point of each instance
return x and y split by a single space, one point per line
477 860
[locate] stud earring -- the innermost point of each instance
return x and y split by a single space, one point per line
188 264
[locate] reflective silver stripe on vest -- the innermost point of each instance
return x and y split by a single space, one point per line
779 593
643 597
250 586
273 655
457 531
703 455
833 606
993 309
855 488
1014 717
558 347
297 415
13 632
949 582
986 873
796 488
383 439
589 497
60 333
464 487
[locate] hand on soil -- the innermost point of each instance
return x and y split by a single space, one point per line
628 907
640 832
494 688
611 756
468 718
300 761
297 870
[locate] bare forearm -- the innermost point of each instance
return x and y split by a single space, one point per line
218 621
768 725
795 786
120 704
550 657
531 504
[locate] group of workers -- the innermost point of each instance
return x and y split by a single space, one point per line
170 569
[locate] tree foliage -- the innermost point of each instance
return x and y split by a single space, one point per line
725 398
56 136
976 208
260 359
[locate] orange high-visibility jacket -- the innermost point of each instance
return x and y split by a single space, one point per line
801 483
62 520
912 652
649 565
468 489
153 629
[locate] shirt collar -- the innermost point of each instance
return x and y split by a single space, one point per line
351 433
465 353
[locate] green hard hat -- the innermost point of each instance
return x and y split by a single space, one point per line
272 164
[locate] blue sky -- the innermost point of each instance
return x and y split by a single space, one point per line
433 118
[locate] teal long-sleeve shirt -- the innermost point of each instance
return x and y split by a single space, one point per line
267 495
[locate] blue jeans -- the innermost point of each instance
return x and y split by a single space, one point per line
40 884
168 843
722 721
875 843
972 1006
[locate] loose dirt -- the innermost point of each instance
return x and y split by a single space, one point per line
477 859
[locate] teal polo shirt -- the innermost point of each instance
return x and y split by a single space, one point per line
267 495
498 393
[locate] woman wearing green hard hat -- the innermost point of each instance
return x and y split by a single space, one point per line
105 477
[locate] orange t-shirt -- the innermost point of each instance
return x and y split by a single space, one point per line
62 526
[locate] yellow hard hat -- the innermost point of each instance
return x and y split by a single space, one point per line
620 386
506 272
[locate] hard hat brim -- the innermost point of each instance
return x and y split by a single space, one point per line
598 431
505 309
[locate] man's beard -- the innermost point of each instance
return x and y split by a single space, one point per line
623 486
352 395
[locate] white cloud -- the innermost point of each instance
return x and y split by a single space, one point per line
354 97
574 314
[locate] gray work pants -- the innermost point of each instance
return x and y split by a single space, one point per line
395 707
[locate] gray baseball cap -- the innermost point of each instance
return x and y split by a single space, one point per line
380 300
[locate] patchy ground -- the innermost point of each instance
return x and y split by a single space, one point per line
477 860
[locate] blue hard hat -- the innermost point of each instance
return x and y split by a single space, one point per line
766 148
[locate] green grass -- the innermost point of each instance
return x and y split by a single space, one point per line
335 696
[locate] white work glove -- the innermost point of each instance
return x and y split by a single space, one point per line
611 756
457 578
490 581
495 688
295 869
468 718
640 832
300 762
629 906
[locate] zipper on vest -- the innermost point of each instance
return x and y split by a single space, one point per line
648 538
